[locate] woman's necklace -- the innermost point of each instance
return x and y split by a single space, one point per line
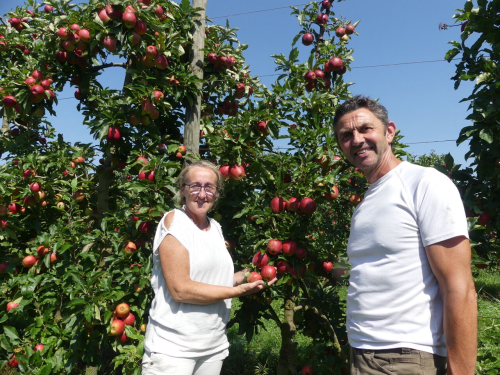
183 209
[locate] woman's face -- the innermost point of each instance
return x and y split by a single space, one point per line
199 204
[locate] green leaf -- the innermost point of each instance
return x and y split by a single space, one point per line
451 54
46 370
76 302
10 332
88 312
486 135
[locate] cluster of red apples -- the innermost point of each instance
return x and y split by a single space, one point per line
13 362
40 90
37 194
236 172
122 317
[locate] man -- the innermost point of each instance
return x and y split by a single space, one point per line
411 303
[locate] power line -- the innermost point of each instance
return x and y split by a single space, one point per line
416 143
258 11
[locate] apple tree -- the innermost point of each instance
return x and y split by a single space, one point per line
75 236
479 57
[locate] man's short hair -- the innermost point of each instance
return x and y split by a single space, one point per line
360 101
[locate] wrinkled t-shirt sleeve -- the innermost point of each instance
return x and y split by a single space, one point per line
176 229
440 210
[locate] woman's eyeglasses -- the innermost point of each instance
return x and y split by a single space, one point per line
195 189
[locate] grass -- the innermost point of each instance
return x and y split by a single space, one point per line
488 289
260 356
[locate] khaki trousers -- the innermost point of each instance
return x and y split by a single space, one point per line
398 361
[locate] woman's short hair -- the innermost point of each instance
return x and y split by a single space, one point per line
179 199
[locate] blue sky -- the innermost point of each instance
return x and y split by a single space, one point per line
420 97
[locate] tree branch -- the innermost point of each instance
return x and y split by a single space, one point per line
336 345
274 315
109 65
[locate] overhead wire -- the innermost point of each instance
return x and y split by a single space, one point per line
354 67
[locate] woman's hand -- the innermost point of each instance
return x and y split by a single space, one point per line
254 287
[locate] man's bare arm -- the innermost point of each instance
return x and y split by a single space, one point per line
450 262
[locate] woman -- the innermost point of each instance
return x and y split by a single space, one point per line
193 279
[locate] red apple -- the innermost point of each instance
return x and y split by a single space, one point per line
336 63
340 32
123 337
158 96
9 101
48 8
122 310
301 253
278 205
310 76
224 171
130 247
117 327
274 247
484 219
151 52
39 347
268 272
34 187
112 12
295 271
12 361
53 256
333 195
289 248
3 267
212 58
254 276
161 62
61 56
283 267
129 319
260 260
114 134
129 19
145 227
326 4
103 16
11 305
109 43
349 29
84 35
140 27
29 261
237 172
307 39
307 206
78 196
307 369
322 18
327 266
292 204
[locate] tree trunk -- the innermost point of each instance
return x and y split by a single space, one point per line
5 125
105 173
193 111
288 359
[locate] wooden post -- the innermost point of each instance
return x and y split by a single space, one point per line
193 112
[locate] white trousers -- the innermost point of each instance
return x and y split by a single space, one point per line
159 364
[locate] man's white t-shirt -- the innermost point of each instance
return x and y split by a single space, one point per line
393 298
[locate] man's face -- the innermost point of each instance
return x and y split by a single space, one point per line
364 140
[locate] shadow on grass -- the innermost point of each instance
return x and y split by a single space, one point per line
245 361
487 283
